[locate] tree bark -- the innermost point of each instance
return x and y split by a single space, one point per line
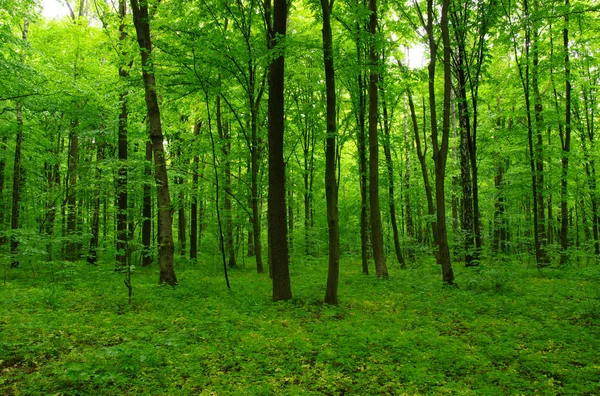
331 191
71 246
421 155
277 209
541 251
17 175
440 151
165 242
387 149
147 209
95 227
566 145
194 195
3 211
121 182
376 231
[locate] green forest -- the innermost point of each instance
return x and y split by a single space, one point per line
288 197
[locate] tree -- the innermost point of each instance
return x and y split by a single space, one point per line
331 191
121 182
376 232
278 242
16 193
165 239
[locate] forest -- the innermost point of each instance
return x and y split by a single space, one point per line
300 197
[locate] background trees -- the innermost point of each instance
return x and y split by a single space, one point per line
520 79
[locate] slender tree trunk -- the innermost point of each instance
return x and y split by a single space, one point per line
147 209
71 246
17 175
181 219
376 231
3 210
194 196
541 253
421 155
362 160
566 145
440 151
277 210
467 190
95 227
121 182
165 243
408 218
17 185
390 171
121 186
331 191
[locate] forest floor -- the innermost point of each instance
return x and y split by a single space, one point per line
508 329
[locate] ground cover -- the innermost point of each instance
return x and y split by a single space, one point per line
508 328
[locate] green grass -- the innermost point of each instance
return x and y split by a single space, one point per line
508 329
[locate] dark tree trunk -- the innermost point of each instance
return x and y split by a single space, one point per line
541 251
17 176
362 160
408 218
181 219
194 196
53 181
165 232
95 228
71 246
331 191
467 189
376 231
421 155
387 149
121 182
255 197
3 210
440 151
308 149
566 145
277 210
147 209
17 185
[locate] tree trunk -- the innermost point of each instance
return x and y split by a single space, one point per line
376 231
440 151
3 211
71 246
277 210
467 190
181 219
147 209
566 145
408 218
17 185
165 232
421 155
541 252
194 196
362 160
121 182
390 171
95 228
17 175
331 191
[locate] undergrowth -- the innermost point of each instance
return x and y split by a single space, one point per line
508 329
